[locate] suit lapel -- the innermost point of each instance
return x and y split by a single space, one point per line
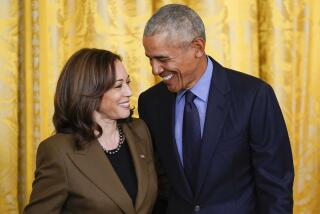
217 108
170 147
139 161
94 164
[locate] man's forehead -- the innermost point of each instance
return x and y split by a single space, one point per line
160 52
154 41
158 47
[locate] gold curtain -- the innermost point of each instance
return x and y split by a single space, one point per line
274 40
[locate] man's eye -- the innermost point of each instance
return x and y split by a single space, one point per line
164 59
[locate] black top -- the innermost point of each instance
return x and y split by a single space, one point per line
123 165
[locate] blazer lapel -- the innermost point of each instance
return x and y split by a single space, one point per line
94 164
139 161
217 108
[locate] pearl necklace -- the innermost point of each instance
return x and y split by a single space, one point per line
121 140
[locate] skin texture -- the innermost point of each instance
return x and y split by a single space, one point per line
180 66
115 102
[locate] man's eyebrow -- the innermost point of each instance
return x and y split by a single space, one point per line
158 57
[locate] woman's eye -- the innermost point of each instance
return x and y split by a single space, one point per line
118 86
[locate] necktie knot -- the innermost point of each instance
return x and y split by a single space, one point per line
189 96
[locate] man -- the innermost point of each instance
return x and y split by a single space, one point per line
219 135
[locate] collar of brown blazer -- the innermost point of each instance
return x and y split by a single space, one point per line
94 164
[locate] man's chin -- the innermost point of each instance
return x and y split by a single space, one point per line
172 88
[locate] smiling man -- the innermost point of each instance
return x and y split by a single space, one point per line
180 64
220 138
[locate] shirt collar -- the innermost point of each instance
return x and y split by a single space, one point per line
201 88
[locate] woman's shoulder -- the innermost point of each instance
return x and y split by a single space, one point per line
140 132
136 124
137 127
58 141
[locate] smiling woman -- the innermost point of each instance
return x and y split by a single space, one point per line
115 102
100 159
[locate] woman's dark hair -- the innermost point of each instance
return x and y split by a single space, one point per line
86 76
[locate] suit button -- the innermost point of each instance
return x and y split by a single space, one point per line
196 208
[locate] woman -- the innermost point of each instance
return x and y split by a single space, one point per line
100 159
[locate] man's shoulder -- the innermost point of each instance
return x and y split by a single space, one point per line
156 93
155 99
234 78
241 80
158 88
246 87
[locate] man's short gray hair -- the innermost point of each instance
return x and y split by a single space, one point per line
179 22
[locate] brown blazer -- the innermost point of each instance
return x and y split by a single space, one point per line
69 180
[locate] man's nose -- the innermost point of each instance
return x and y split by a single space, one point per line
156 67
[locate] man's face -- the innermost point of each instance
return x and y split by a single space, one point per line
177 66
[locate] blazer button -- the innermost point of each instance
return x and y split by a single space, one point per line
196 208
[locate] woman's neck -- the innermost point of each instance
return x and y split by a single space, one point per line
110 134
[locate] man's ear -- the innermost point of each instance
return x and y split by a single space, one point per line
199 45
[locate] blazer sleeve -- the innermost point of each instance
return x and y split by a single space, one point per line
49 189
271 154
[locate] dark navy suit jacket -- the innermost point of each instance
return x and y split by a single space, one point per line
246 161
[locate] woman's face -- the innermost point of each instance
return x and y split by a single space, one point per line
115 103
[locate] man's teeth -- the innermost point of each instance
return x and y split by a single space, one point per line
167 77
